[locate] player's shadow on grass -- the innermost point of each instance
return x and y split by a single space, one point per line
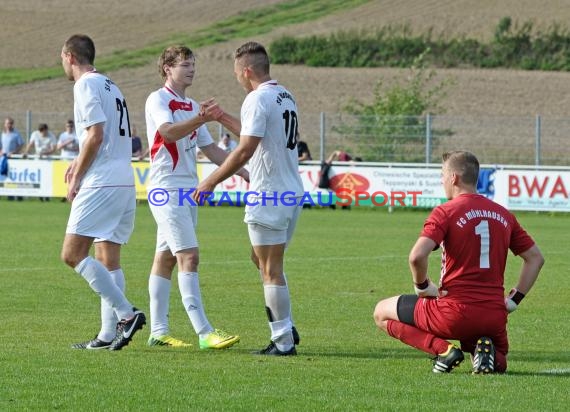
548 363
559 357
365 353
378 352
550 373
307 352
561 360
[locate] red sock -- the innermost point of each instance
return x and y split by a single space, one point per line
500 362
417 338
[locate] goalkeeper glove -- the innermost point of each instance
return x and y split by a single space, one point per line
513 299
427 289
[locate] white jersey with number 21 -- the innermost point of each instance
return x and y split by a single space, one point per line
99 100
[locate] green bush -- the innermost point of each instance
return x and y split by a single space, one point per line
513 46
393 126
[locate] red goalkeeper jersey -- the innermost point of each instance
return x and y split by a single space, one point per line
475 235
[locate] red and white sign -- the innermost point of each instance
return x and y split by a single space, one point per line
539 190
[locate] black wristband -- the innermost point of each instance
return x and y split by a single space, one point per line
422 285
517 297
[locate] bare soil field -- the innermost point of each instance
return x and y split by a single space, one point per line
32 32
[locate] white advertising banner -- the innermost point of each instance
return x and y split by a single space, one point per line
358 185
516 188
27 178
539 190
388 186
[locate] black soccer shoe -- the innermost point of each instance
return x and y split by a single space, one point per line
92 344
272 350
484 356
296 337
126 328
445 362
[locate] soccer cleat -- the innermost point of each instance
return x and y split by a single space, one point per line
92 344
126 329
445 362
296 337
484 356
218 339
166 340
272 350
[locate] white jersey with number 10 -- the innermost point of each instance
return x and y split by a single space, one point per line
270 113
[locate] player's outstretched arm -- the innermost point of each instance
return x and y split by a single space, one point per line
218 156
234 162
232 123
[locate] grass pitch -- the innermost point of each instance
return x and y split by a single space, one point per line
339 265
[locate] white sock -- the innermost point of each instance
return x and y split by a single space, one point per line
159 293
277 300
287 286
108 317
278 304
100 281
189 286
281 334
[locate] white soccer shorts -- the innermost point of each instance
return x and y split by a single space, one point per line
176 225
105 214
265 226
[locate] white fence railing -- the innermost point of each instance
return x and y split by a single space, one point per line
530 140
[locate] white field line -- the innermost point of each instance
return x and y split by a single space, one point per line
245 260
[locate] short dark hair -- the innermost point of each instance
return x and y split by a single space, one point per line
42 126
254 55
82 47
464 164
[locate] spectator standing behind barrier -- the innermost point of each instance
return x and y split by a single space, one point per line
11 143
303 151
324 180
101 189
43 141
137 147
475 235
227 144
341 156
67 143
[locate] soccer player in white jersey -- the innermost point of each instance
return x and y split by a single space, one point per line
268 139
176 126
102 191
